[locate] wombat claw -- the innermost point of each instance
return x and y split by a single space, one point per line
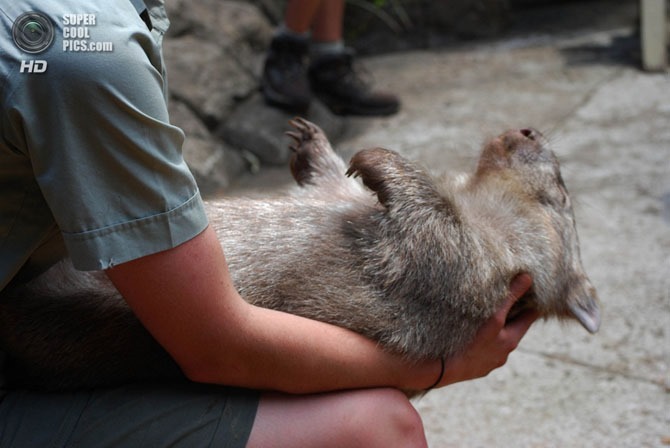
312 153
306 132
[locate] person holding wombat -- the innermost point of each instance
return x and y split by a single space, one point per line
91 169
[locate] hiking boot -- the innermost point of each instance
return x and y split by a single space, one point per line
284 81
334 81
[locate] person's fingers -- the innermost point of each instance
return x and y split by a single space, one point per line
517 328
520 285
517 288
493 327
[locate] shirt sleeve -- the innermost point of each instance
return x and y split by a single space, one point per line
107 161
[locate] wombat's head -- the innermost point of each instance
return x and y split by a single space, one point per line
524 163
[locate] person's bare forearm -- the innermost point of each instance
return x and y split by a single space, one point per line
284 352
354 361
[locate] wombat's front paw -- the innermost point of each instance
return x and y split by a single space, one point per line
395 179
312 153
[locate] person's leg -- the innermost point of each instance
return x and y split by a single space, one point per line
284 80
299 15
332 75
362 418
327 21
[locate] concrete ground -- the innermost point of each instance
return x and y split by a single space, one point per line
610 125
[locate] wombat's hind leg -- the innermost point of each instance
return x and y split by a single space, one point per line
313 157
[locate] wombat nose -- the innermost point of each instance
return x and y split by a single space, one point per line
529 133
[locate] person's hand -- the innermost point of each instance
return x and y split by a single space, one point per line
494 341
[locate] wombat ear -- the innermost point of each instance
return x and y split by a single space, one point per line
396 180
584 307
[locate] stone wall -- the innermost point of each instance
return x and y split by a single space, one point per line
214 54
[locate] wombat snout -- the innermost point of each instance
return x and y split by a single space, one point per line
517 144
529 133
514 139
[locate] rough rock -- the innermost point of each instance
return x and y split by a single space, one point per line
258 129
213 53
213 163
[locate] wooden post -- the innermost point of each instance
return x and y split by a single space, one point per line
654 34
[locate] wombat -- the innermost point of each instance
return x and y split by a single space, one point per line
414 262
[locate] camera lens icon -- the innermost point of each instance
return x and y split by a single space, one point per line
33 32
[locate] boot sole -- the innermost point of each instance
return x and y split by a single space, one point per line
341 108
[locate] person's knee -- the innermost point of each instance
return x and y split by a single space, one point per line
364 418
386 418
404 419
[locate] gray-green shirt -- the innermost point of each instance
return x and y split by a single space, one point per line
89 165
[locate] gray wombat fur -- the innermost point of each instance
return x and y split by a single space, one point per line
418 265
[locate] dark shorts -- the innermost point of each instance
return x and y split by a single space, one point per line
176 415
